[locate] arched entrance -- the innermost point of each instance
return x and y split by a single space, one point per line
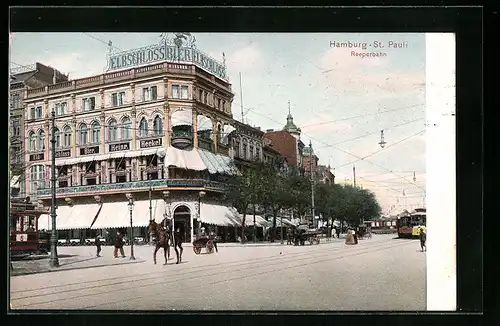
182 220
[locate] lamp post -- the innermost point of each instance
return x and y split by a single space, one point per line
200 194
54 260
150 200
131 207
281 227
382 141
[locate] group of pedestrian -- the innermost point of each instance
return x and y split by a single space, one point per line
119 242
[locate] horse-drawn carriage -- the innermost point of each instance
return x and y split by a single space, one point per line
203 242
364 232
303 234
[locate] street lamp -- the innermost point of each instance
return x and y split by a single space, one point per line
54 260
200 194
131 207
382 141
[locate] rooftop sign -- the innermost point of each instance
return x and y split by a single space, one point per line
165 51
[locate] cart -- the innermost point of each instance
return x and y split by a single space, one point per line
304 235
200 243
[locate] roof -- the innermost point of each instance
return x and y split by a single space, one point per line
22 77
290 126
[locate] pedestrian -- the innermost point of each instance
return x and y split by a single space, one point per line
355 235
119 245
98 245
337 231
423 237
212 236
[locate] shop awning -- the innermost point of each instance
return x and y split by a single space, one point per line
259 221
217 163
189 160
63 216
81 217
140 213
204 123
181 117
217 215
14 181
113 215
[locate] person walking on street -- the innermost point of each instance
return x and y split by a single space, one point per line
337 231
423 237
98 245
119 245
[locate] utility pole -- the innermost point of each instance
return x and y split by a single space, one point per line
312 181
150 200
241 100
54 260
354 175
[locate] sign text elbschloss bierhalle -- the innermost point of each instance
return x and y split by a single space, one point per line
162 52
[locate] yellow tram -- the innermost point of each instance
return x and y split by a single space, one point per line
409 225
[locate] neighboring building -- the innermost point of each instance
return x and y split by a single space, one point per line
310 162
33 76
247 145
324 175
165 127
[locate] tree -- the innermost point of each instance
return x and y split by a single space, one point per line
300 192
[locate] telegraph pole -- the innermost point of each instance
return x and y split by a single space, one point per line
54 260
312 181
354 175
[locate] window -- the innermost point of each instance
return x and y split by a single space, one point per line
121 178
175 91
57 136
112 130
67 136
257 154
88 103
219 103
205 97
184 92
96 132
118 99
37 177
126 130
149 93
32 113
236 148
38 112
16 101
251 153
158 126
61 108
244 150
32 141
63 183
223 106
143 127
200 95
83 134
41 140
15 128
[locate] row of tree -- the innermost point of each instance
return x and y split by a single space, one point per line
275 189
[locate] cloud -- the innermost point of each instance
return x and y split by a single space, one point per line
343 74
245 59
318 125
76 65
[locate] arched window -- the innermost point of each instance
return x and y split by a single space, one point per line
143 127
96 132
127 127
41 140
112 130
37 177
158 126
67 136
32 141
83 134
57 136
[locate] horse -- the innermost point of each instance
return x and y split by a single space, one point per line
162 235
177 238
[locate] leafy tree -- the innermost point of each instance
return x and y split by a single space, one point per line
300 192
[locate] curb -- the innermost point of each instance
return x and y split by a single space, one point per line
73 268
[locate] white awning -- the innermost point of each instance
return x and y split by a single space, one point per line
149 151
113 215
190 160
217 163
63 216
259 221
14 181
114 155
182 117
81 217
204 123
44 222
228 129
217 215
140 213
69 161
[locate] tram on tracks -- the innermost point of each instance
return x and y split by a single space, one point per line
25 238
408 225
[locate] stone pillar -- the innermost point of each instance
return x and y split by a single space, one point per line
101 93
74 136
104 172
132 87
214 134
73 104
134 128
195 129
102 119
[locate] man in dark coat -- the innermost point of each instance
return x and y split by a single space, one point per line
98 245
119 245
337 231
423 237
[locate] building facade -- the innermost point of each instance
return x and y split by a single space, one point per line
33 76
149 140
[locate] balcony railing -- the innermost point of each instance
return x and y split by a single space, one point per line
134 186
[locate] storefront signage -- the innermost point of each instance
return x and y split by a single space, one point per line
63 153
36 157
151 142
165 52
119 147
89 150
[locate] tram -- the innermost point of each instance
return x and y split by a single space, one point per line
25 239
409 224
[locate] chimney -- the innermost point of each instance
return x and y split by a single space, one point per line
269 130
54 77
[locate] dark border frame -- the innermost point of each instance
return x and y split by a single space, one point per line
465 22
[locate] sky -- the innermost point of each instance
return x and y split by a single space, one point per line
340 101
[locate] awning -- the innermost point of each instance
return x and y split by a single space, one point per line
181 117
140 213
113 215
204 123
115 155
14 181
228 129
217 163
190 160
69 161
259 221
216 215
63 216
286 222
81 217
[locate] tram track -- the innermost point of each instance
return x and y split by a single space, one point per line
97 288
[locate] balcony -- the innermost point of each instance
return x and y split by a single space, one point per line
134 186
182 137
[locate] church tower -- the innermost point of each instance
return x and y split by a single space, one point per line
290 127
